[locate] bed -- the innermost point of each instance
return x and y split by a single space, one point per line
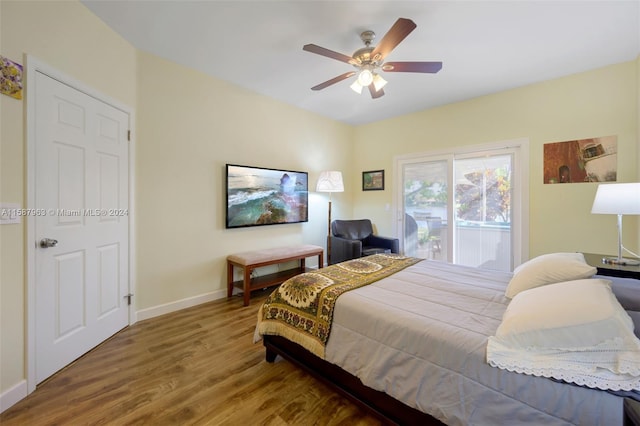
411 347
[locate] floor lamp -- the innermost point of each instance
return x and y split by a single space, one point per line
618 199
329 181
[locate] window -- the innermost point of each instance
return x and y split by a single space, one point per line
467 206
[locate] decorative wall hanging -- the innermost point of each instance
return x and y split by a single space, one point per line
373 180
10 78
584 160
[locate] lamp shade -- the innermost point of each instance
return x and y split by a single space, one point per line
330 181
378 82
365 77
356 87
617 198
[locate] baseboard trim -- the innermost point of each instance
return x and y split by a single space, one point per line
12 395
167 308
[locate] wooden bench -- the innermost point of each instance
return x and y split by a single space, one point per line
251 260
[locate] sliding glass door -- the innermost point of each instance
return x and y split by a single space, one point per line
483 211
426 208
461 207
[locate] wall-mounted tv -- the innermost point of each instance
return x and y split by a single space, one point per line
259 196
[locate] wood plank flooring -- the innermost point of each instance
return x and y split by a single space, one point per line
198 366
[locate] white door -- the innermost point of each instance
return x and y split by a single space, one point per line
81 201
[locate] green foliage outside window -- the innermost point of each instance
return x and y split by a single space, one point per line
486 197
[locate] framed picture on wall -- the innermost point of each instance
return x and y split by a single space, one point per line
373 180
10 78
582 160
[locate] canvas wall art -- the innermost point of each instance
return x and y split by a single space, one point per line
584 160
10 78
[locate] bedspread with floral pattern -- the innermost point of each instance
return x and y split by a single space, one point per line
301 309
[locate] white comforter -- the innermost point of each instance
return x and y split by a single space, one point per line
421 336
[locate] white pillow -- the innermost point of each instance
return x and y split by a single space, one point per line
575 331
548 269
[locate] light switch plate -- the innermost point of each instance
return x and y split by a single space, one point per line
9 213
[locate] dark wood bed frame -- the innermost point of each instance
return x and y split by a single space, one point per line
381 405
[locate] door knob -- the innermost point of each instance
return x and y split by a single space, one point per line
48 242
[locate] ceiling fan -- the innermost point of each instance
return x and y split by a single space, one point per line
369 60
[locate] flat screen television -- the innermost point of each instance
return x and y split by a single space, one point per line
259 196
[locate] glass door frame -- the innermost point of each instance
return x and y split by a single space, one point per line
399 201
519 148
459 160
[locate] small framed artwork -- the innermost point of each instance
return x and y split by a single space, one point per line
10 78
373 180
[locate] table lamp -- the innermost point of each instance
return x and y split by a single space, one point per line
618 199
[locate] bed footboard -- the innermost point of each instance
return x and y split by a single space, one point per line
381 405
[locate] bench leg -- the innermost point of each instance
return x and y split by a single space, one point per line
247 285
229 279
321 260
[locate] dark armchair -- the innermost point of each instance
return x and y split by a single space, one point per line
352 239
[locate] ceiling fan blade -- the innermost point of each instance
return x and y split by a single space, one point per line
334 80
426 67
374 94
326 52
401 29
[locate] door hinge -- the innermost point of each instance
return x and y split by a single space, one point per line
129 135
129 296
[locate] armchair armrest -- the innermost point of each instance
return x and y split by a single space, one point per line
392 244
343 249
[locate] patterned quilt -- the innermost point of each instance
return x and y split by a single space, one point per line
301 309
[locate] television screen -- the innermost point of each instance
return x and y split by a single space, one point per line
258 196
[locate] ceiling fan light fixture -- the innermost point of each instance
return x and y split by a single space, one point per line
365 77
369 60
378 82
356 87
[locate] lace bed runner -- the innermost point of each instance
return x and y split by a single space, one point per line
301 309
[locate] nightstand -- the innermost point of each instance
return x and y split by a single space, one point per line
611 270
631 407
631 412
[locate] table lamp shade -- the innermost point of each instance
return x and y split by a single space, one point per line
330 181
617 198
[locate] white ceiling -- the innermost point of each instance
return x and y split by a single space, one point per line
485 46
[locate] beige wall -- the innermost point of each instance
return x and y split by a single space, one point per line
187 132
597 103
189 125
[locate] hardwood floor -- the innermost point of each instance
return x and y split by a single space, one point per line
198 366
